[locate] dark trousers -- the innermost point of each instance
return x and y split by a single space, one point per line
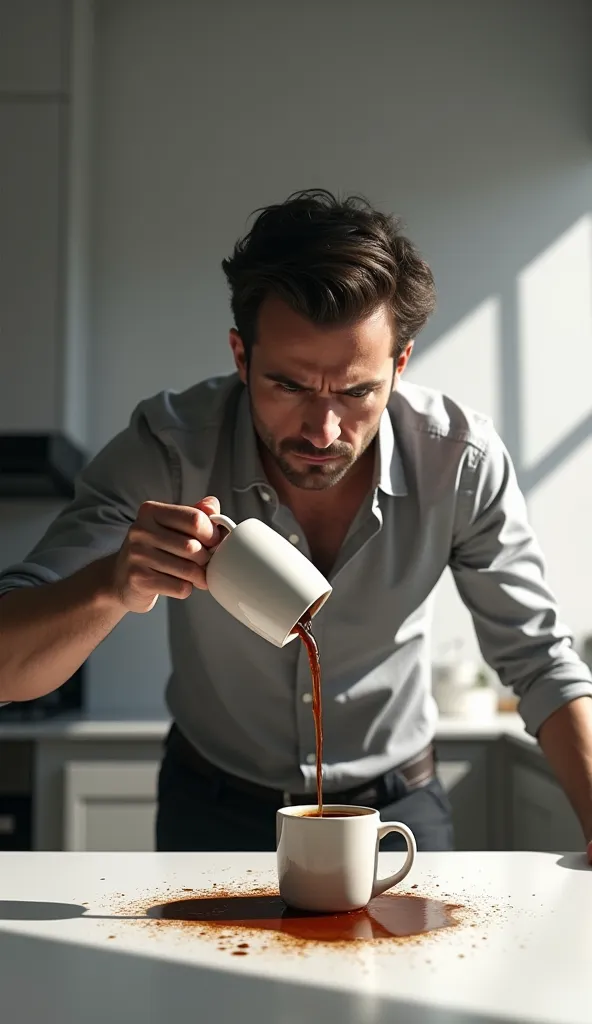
197 814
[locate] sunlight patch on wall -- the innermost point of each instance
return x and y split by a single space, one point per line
555 334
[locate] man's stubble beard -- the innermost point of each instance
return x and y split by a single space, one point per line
315 478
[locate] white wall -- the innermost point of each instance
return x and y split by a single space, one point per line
472 120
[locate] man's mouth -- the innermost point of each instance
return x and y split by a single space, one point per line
315 460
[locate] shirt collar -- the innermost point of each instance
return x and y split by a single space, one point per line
390 473
248 471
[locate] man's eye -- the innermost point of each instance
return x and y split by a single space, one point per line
359 393
290 389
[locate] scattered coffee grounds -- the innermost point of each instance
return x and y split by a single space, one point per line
247 913
304 631
386 917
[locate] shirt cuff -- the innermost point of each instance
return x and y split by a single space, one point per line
26 574
546 696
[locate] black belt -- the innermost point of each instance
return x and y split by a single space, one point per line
379 792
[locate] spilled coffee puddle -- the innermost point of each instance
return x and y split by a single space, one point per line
229 917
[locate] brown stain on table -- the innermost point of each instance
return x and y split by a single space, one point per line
229 916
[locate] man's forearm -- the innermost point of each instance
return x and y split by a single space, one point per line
566 741
47 632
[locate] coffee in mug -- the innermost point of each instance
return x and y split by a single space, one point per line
332 812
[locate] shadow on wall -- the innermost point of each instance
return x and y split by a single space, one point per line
530 347
524 356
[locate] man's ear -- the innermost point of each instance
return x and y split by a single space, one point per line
402 361
239 354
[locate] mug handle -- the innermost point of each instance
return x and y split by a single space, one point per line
225 521
382 884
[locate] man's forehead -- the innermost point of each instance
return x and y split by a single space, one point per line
303 349
321 366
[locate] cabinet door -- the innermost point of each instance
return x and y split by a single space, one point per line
462 769
110 806
542 818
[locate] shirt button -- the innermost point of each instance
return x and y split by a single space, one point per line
310 758
294 538
307 698
266 495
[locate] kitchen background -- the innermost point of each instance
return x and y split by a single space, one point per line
137 137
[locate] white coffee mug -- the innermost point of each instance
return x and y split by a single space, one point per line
263 580
329 864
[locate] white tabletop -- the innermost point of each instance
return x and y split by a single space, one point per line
77 946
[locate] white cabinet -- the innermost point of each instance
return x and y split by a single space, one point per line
109 805
95 794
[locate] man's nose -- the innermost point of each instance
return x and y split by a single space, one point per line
322 426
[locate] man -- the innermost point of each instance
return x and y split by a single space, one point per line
382 484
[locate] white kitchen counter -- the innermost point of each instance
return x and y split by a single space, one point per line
77 946
87 727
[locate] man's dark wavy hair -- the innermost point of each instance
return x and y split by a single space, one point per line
333 261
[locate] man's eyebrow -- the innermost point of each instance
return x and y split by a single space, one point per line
367 385
280 378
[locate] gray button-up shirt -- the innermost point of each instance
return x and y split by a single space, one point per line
445 494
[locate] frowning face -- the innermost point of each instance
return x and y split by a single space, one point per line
317 393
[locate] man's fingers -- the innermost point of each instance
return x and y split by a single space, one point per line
191 521
160 538
148 560
209 505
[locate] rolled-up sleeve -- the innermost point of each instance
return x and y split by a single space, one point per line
500 575
135 466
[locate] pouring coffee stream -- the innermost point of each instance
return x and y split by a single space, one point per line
267 584
304 630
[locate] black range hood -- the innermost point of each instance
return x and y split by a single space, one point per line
38 465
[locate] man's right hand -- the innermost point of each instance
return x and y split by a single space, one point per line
165 552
